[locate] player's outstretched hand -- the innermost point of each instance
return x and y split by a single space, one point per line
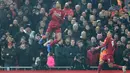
97 48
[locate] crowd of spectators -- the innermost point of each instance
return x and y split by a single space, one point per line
23 22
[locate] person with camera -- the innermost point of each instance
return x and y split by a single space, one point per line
40 62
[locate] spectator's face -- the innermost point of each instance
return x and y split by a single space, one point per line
27 2
128 46
41 30
99 6
110 22
69 32
87 27
116 28
84 14
94 11
97 29
60 42
89 6
123 27
37 37
101 14
126 31
23 46
123 39
69 18
107 13
42 24
93 39
67 41
116 37
21 29
75 27
25 19
85 23
42 10
94 23
128 34
99 36
15 22
83 34
82 18
73 21
92 18
44 19
115 19
20 13
106 28
11 7
28 30
119 43
72 42
80 44
77 7
9 39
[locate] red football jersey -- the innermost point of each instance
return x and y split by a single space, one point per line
110 44
55 19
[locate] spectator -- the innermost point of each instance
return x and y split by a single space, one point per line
72 51
50 60
77 12
76 32
14 28
40 62
59 56
78 63
83 5
23 53
126 55
20 34
9 53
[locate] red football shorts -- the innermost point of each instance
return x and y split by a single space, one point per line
106 58
52 27
56 30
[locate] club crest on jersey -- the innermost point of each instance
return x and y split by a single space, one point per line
56 13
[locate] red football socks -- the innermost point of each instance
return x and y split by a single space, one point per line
117 66
99 68
54 42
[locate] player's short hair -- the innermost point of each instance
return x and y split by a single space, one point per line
110 32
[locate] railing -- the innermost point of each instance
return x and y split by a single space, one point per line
16 68
31 68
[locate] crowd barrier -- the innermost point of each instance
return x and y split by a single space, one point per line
31 68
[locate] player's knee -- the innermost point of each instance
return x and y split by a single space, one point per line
110 65
47 34
58 37
101 62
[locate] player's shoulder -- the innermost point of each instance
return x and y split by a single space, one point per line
53 9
